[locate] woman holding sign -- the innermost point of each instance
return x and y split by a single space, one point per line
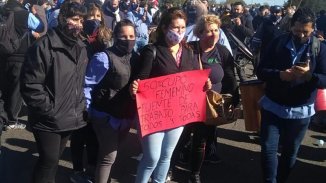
167 56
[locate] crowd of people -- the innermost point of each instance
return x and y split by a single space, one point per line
79 63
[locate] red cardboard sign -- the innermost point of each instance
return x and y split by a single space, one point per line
171 101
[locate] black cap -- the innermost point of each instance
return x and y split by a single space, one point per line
276 9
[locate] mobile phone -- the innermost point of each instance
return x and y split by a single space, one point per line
301 64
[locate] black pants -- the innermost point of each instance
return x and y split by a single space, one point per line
50 147
10 86
203 141
80 138
3 115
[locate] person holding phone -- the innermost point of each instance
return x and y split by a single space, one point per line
292 69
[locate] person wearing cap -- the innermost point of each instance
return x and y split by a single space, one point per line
266 32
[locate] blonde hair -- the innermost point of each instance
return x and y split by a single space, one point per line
104 33
206 19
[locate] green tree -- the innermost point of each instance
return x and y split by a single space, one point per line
315 5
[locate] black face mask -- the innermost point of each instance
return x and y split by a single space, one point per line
124 46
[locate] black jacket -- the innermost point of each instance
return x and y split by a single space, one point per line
164 62
245 29
52 82
21 28
297 93
109 17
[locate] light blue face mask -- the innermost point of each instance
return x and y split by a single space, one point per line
174 37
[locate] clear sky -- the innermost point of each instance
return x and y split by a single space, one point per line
270 2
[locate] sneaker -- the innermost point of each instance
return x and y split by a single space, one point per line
16 125
194 178
214 159
79 177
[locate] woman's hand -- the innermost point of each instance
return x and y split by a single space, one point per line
208 85
134 88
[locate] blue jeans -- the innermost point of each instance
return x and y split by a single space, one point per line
289 133
157 151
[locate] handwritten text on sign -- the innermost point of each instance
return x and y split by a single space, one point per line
171 101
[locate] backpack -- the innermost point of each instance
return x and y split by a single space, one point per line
315 47
10 42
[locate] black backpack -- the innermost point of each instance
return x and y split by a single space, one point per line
10 42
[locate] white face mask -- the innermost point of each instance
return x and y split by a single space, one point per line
174 37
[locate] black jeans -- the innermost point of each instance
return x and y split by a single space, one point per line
10 86
203 142
50 146
202 136
3 115
80 138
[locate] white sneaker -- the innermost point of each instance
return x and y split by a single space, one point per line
17 125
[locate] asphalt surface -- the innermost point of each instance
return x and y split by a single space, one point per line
238 149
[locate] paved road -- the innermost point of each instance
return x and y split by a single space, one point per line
238 149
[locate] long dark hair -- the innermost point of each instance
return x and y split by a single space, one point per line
167 17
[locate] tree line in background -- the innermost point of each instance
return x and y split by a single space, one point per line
315 5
